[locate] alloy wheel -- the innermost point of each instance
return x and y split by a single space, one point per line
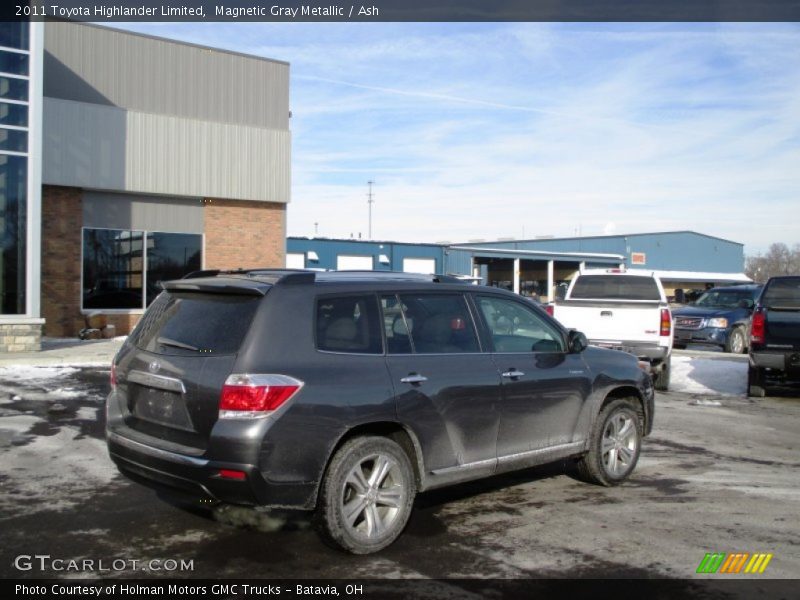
373 495
619 444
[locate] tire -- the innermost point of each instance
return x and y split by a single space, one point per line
615 444
755 383
366 496
736 343
679 346
661 378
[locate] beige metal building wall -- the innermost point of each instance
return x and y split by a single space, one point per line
106 148
143 115
100 65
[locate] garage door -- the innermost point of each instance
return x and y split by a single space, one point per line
295 260
426 266
346 262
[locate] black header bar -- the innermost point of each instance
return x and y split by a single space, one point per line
405 10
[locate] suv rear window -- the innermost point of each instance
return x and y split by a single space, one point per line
189 323
615 287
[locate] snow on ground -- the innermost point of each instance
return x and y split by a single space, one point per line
708 376
34 375
18 382
57 471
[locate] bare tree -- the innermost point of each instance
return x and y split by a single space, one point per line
778 260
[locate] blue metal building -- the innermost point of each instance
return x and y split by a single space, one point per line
682 259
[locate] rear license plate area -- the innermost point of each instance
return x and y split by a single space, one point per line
160 406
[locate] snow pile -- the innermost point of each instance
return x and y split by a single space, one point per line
18 382
34 375
708 376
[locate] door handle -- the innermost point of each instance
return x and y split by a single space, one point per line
414 379
606 313
513 374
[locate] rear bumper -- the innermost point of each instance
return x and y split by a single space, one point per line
189 475
648 351
788 362
194 473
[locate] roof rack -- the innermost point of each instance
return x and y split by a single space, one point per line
384 276
301 276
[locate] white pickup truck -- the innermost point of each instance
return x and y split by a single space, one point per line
623 310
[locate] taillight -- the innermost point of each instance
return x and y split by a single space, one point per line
232 474
113 376
253 396
666 322
549 309
758 326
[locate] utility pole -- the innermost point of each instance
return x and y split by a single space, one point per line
369 204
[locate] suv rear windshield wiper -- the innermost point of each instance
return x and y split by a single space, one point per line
164 341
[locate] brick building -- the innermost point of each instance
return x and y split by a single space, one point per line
125 160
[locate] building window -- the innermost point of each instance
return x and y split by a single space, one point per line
171 256
13 62
13 140
13 166
13 204
14 34
12 88
120 264
13 114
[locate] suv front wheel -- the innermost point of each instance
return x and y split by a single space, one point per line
366 497
615 444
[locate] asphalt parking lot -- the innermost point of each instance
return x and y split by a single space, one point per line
718 474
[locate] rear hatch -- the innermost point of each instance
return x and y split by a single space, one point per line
181 352
781 299
614 308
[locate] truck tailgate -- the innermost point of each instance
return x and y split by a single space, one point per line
783 328
611 321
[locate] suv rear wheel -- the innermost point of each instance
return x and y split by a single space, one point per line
615 444
366 496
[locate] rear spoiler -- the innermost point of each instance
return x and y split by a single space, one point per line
271 276
217 286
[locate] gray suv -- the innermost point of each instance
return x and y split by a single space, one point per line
346 393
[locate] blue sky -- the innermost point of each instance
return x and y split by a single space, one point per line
485 130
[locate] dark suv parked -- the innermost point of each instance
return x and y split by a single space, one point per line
347 393
721 316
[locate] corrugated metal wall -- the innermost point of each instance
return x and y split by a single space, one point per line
328 250
104 66
672 250
102 147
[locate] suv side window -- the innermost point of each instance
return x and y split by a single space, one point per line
348 324
398 337
438 323
518 328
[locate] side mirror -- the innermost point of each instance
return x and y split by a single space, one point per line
576 341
